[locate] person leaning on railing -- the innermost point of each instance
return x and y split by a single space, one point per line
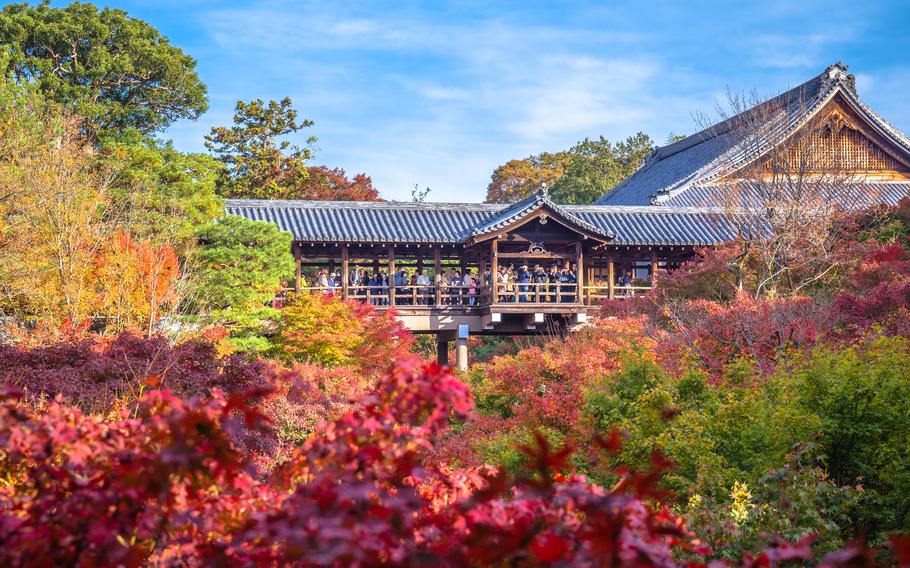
469 287
424 282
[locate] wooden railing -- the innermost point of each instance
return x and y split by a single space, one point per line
536 293
597 293
510 293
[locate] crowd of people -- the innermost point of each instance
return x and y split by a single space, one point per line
410 288
524 284
537 284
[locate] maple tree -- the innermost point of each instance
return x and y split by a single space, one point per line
322 329
517 179
358 491
324 184
140 283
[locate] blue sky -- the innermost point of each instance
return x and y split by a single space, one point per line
439 94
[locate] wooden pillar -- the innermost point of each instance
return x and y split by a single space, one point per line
654 268
442 351
580 273
494 275
611 278
297 268
375 265
391 250
345 269
437 279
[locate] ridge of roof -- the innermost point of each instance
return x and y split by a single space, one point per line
315 204
405 205
515 211
804 91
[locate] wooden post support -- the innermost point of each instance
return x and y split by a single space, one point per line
654 267
494 275
437 279
442 351
345 270
580 273
297 269
391 275
611 278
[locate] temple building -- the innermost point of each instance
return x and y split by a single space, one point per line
818 136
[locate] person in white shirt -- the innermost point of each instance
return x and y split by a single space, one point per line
322 281
424 282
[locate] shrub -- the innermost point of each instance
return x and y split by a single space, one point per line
319 328
101 374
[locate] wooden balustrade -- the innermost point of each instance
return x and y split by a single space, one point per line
596 294
508 293
536 293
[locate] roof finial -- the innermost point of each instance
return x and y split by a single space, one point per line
838 73
542 193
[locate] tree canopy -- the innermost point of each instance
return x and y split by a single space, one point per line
598 166
166 194
322 183
242 262
260 163
517 179
116 72
577 176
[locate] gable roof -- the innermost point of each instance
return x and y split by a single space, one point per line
702 158
538 201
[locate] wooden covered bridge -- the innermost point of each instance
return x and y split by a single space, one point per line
611 252
616 248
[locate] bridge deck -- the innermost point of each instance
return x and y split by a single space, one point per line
520 309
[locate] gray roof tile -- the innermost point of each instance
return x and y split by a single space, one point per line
390 222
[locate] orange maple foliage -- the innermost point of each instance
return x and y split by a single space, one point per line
137 280
324 184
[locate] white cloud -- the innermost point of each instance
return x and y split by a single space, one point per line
457 99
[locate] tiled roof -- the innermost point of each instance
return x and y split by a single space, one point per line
853 195
698 160
381 222
390 222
